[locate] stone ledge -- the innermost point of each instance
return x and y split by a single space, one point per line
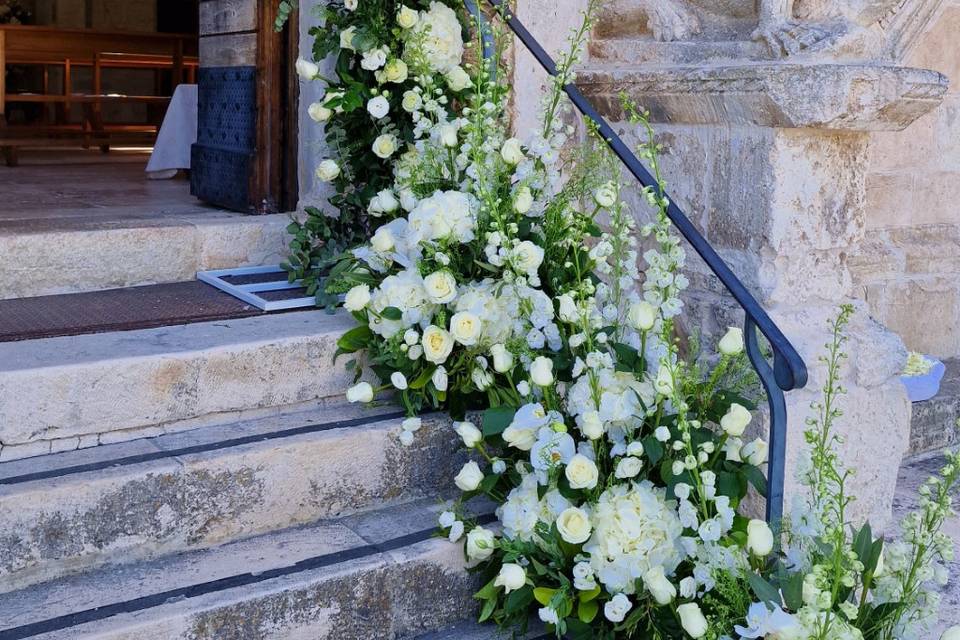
845 97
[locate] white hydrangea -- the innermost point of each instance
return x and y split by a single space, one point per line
403 291
438 38
444 215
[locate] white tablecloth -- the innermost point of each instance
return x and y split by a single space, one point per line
177 133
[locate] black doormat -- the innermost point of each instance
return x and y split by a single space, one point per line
144 307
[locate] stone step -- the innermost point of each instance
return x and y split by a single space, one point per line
364 577
636 51
83 253
66 512
934 423
72 392
474 631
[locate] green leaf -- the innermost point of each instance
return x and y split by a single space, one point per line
421 381
577 630
765 591
587 611
543 595
488 608
519 600
488 592
653 449
730 485
587 596
497 419
755 476
863 543
792 588
392 313
355 339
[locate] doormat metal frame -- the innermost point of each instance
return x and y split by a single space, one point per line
248 292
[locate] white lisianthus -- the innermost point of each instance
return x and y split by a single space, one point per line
732 342
350 5
511 577
398 380
373 59
357 298
527 257
446 519
583 578
441 287
306 69
465 328
411 101
482 378
541 371
574 525
692 620
383 240
480 544
360 392
512 152
378 107
406 438
470 477
439 379
448 135
395 71
469 432
440 39
411 424
437 344
548 615
664 380
502 359
628 467
527 421
346 38
328 170
755 452
734 422
688 587
457 79
617 608
407 18
567 309
385 145
759 538
606 194
642 316
456 531
318 112
582 472
523 200
656 582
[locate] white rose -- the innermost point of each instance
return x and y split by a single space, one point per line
735 420
629 467
502 359
568 311
408 200
411 101
357 298
582 472
448 135
407 17
759 538
350 5
732 342
469 432
574 525
395 71
480 544
523 200
385 145
437 344
318 112
439 379
659 586
511 577
398 380
527 257
378 107
374 59
642 316
328 170
361 392
469 477
306 69
755 452
541 371
617 608
520 438
591 425
346 38
441 287
692 620
512 152
606 194
465 328
457 79
382 240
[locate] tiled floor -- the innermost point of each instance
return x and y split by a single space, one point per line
67 188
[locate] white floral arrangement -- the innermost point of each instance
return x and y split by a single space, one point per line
502 287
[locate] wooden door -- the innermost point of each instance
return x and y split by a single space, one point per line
245 154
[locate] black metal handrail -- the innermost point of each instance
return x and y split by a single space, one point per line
788 371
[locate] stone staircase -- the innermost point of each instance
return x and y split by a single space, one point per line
934 424
232 495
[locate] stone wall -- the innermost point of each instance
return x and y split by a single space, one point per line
908 268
